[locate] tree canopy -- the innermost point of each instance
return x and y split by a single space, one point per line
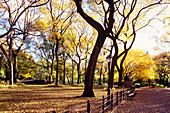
68 41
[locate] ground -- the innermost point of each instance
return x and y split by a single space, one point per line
41 98
147 100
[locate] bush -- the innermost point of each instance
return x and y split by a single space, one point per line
144 84
137 85
4 83
159 85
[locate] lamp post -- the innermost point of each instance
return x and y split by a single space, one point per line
108 58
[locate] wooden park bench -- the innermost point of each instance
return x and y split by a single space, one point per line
131 93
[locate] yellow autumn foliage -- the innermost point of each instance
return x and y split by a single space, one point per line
139 65
26 75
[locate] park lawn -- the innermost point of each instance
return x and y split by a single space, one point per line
42 98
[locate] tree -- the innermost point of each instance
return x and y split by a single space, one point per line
45 51
27 67
126 10
78 44
14 11
102 34
138 65
2 63
133 20
41 71
64 58
163 70
56 19
11 13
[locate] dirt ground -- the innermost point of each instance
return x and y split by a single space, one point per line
147 100
42 99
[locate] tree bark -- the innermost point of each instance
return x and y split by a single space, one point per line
56 53
85 67
121 68
49 73
15 68
52 62
114 62
72 82
11 72
88 89
78 71
64 76
100 79
10 61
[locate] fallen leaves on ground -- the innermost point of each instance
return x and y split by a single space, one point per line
42 98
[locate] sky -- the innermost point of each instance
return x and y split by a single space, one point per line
146 38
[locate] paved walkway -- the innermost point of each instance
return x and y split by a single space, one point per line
147 100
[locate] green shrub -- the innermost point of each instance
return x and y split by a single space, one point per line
144 84
159 85
2 86
156 84
137 85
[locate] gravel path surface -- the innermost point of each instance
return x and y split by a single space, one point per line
147 100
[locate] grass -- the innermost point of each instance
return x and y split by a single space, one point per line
44 98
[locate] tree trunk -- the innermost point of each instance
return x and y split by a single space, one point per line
78 71
114 62
64 76
11 72
10 61
85 67
52 68
88 89
49 73
100 79
15 69
120 79
56 53
102 34
72 82
121 69
7 73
